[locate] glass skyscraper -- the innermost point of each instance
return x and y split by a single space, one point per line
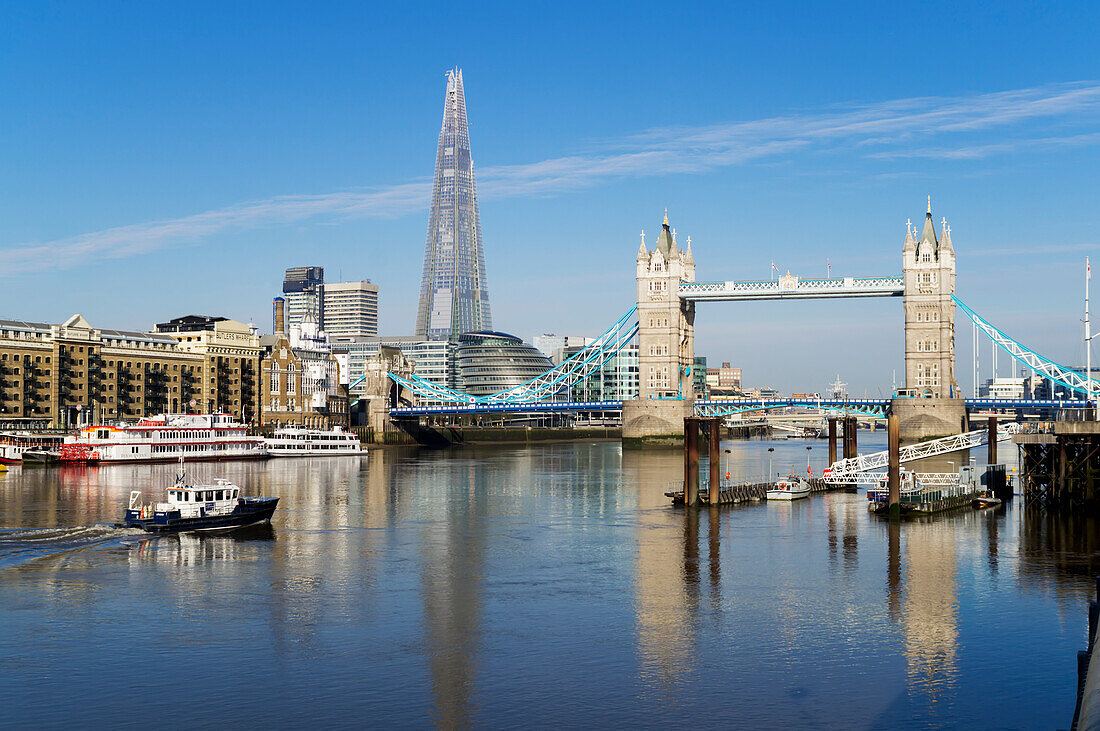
454 296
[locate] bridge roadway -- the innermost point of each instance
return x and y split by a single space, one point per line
718 408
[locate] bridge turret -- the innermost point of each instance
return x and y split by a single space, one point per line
928 267
665 333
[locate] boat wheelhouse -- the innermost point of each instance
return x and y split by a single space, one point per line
298 442
170 437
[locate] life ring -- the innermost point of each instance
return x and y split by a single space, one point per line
727 475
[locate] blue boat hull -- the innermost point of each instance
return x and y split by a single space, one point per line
249 511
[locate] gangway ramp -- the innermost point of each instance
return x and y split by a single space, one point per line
846 470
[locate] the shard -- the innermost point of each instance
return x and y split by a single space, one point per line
454 296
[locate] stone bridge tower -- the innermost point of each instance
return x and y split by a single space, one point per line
928 268
666 342
666 332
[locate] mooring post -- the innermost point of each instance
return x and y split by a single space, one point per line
893 438
691 462
715 459
992 450
832 439
855 433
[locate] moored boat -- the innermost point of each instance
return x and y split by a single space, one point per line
217 506
298 442
929 492
166 438
14 444
792 488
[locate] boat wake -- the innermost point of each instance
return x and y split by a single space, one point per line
20 545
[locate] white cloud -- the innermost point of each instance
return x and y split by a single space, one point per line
657 151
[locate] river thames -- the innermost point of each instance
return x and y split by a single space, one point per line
546 585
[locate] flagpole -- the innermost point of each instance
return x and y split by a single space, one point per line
1088 334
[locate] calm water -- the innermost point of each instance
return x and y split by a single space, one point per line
532 586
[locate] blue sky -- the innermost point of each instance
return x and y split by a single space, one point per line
162 160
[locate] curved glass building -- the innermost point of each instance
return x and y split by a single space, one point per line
488 362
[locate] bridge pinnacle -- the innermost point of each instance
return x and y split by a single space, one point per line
929 205
666 216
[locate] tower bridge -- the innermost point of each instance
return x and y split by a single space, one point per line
668 295
662 322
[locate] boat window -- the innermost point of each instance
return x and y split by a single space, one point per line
221 495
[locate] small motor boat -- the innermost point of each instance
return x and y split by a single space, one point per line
217 506
792 488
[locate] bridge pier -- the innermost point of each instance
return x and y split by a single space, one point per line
921 419
655 422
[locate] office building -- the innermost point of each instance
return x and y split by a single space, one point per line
303 292
490 362
433 360
454 295
616 380
552 345
351 308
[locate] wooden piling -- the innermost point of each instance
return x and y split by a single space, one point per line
893 438
832 439
715 459
855 433
691 462
992 450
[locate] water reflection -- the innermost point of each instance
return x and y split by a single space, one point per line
666 571
929 612
493 586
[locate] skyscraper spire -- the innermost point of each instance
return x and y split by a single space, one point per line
454 294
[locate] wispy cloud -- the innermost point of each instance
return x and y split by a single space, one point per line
895 129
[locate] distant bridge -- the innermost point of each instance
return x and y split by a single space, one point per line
854 407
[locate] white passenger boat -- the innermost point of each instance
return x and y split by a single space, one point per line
167 438
792 488
298 442
13 444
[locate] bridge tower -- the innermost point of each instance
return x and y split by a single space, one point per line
928 268
666 342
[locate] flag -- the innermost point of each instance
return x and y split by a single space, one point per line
776 268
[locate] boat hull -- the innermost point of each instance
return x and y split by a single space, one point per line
249 511
787 494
